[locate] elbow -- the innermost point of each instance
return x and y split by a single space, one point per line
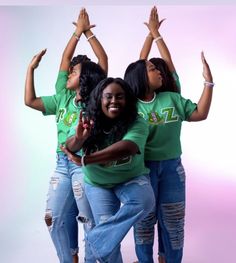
28 103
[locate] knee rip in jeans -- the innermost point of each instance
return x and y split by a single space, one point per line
78 189
82 219
173 219
54 182
144 230
48 217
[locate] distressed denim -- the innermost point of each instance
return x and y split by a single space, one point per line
114 220
66 188
168 182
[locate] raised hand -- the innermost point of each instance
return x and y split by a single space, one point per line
83 23
36 59
206 69
83 128
154 23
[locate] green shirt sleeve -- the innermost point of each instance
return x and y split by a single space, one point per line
50 104
138 133
61 81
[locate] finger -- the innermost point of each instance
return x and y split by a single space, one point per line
80 116
162 20
91 26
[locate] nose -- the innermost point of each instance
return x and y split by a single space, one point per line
113 99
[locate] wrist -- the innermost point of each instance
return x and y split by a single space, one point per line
83 163
158 38
209 84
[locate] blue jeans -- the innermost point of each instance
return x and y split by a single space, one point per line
114 220
66 188
168 182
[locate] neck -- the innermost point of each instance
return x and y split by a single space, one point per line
149 96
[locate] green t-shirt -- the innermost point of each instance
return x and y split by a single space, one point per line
62 105
123 170
176 79
164 116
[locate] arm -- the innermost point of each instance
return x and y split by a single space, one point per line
97 47
81 26
204 102
30 97
154 25
113 152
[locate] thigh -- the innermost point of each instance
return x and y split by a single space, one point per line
103 202
60 194
154 176
138 192
80 196
172 183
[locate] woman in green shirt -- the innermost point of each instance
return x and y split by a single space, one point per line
113 138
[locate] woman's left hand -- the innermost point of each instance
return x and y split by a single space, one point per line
71 156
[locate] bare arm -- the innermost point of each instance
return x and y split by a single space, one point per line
146 47
113 152
81 26
96 46
30 96
154 25
204 102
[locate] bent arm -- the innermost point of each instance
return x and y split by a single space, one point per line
30 98
204 102
113 152
98 50
154 25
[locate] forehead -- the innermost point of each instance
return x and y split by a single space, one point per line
76 67
113 88
149 64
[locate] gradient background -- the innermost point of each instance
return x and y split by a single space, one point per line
28 139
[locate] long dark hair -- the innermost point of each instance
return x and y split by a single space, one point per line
117 127
91 74
136 76
168 82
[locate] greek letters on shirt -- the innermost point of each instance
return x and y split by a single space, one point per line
68 118
116 163
166 115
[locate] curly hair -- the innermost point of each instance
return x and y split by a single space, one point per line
91 74
119 126
79 59
169 83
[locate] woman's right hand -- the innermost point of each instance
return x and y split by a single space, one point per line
83 23
154 23
36 59
83 128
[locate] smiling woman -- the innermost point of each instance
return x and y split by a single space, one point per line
113 138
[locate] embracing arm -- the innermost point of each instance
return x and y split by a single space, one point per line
204 102
30 97
113 152
154 25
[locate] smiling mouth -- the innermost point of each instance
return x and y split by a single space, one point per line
114 108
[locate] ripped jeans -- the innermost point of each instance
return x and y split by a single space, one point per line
66 187
114 220
168 182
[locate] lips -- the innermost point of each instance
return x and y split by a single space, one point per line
114 108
